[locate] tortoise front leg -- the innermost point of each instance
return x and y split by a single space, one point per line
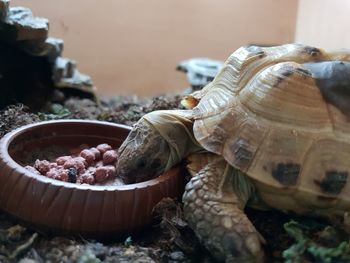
214 210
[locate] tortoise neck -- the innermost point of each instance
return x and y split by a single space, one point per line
176 128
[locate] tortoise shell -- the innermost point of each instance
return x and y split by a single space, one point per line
281 116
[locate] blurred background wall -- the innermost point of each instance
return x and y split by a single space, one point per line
323 23
133 46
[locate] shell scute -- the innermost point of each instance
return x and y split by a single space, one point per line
326 167
266 115
284 93
279 159
241 146
286 173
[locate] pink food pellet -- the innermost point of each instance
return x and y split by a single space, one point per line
81 171
78 163
86 178
110 157
58 173
92 165
52 173
42 166
32 169
104 172
91 169
88 155
96 152
53 165
103 147
99 164
112 171
101 174
80 159
61 160
62 175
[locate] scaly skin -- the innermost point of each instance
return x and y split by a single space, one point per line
154 145
215 212
214 199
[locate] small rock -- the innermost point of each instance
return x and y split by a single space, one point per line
4 8
52 48
88 257
20 24
63 68
130 251
177 256
78 81
27 260
199 71
57 96
65 75
98 249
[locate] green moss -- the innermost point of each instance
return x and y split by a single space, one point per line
324 246
55 112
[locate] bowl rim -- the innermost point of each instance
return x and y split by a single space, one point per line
12 135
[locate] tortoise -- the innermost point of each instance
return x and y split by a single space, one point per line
271 131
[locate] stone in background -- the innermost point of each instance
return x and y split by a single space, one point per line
31 63
199 72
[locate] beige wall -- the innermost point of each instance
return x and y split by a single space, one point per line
324 23
133 46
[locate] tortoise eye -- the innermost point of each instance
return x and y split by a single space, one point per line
141 163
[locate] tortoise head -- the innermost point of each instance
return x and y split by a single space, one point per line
143 155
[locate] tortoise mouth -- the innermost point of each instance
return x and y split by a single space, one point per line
129 171
127 178
134 176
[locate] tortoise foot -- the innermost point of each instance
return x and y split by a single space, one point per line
215 213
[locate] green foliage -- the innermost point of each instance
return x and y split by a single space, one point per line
55 112
315 250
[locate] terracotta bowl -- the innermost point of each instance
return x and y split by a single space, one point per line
90 210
